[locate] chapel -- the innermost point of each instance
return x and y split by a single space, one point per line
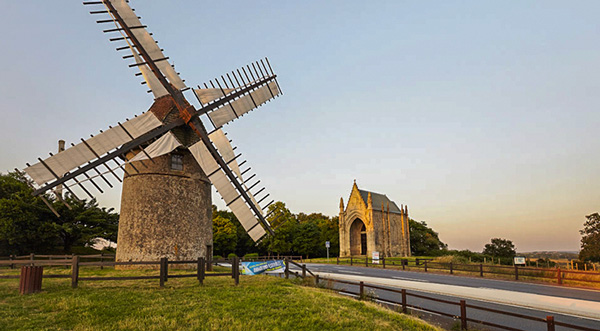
371 222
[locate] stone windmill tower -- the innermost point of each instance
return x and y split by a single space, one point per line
168 157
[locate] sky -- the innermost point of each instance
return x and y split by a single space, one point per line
481 116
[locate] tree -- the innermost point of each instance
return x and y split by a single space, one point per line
423 240
590 239
285 223
27 225
84 222
224 236
244 244
307 239
500 248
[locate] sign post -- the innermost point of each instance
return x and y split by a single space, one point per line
519 260
327 244
375 257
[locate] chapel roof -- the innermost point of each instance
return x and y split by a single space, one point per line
377 199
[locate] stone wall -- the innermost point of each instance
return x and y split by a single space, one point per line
164 212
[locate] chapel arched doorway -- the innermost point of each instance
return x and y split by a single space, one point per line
358 238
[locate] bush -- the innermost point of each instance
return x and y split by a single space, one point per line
251 256
452 258
231 255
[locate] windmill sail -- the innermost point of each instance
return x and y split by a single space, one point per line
224 147
91 149
228 192
133 24
260 92
163 145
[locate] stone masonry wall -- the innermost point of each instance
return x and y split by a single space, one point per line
165 213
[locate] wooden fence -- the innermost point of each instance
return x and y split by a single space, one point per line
559 275
463 306
75 263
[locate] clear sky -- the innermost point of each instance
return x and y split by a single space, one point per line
481 116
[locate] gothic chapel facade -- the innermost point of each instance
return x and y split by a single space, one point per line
371 222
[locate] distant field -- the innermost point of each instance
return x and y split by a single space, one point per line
258 303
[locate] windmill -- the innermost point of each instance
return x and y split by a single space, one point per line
168 157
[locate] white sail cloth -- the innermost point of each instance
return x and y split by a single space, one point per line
224 147
239 106
80 154
149 45
227 190
163 145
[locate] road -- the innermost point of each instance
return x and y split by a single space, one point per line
568 305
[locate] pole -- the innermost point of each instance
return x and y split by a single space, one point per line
362 290
287 268
404 309
75 271
200 270
161 276
516 272
550 323
463 315
237 270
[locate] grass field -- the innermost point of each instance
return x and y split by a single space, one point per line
258 303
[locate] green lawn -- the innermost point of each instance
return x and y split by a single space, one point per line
258 303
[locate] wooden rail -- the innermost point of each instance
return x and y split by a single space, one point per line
559 275
163 276
462 305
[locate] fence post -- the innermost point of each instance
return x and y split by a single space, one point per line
559 276
74 271
317 280
166 269
161 276
404 310
404 263
362 291
337 260
287 268
463 315
451 269
200 270
12 265
481 269
101 260
350 259
516 272
550 323
31 256
304 271
237 270
366 261
425 265
383 261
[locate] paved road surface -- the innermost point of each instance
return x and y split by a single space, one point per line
496 294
